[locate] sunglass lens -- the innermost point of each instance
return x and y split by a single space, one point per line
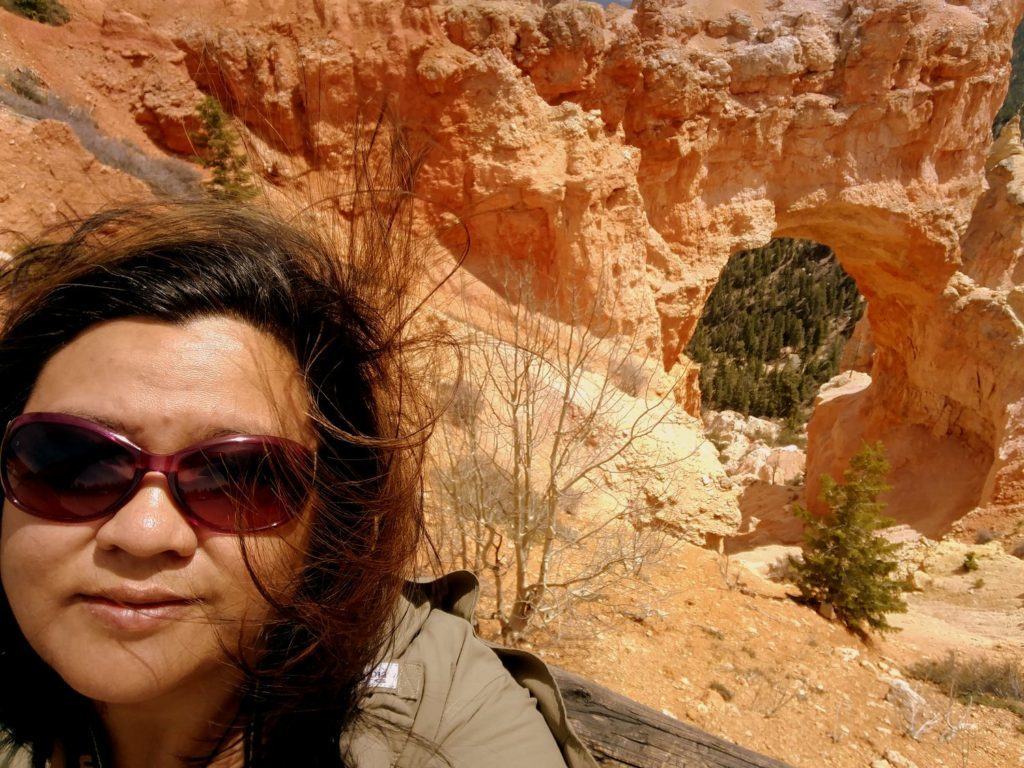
66 472
239 487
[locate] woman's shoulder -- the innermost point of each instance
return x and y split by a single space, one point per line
447 695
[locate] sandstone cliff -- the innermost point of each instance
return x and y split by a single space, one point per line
652 143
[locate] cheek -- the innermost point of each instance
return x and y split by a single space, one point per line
38 560
44 565
274 559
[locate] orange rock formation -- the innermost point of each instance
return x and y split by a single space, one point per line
653 142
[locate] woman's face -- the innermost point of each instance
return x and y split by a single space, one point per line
165 387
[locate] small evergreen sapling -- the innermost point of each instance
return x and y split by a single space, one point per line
231 178
845 564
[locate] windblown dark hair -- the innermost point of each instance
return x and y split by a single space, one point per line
344 313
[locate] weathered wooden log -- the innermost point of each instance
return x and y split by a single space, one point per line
622 732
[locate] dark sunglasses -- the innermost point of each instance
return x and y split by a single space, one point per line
69 469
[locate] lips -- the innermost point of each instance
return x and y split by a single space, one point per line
132 595
134 610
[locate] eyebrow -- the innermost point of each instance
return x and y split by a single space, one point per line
117 425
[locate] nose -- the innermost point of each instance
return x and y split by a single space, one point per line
149 523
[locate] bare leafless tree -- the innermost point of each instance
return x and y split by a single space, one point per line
546 477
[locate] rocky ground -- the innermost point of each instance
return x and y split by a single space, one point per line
714 639
716 645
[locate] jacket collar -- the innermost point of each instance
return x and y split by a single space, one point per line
456 593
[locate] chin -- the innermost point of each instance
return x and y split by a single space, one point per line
125 689
112 671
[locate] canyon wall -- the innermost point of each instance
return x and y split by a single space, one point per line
949 410
648 145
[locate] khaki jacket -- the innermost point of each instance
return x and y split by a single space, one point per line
442 697
447 698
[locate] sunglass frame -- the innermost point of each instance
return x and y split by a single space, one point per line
145 461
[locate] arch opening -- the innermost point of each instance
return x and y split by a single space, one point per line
789 359
783 320
774 329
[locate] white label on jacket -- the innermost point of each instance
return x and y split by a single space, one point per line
385 675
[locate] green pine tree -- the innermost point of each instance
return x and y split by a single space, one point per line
766 299
50 12
844 563
221 153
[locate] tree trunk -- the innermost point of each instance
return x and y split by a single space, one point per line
622 732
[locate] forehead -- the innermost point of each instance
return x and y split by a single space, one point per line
169 384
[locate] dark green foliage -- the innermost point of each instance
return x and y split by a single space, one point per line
792 432
220 152
1015 95
845 564
773 328
970 562
46 11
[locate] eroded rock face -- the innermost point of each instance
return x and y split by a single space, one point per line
750 449
948 409
650 144
63 172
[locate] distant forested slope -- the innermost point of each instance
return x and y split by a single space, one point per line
1015 95
774 328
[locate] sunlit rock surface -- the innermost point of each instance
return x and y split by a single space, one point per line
645 145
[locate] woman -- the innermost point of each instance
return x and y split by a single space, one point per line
211 503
